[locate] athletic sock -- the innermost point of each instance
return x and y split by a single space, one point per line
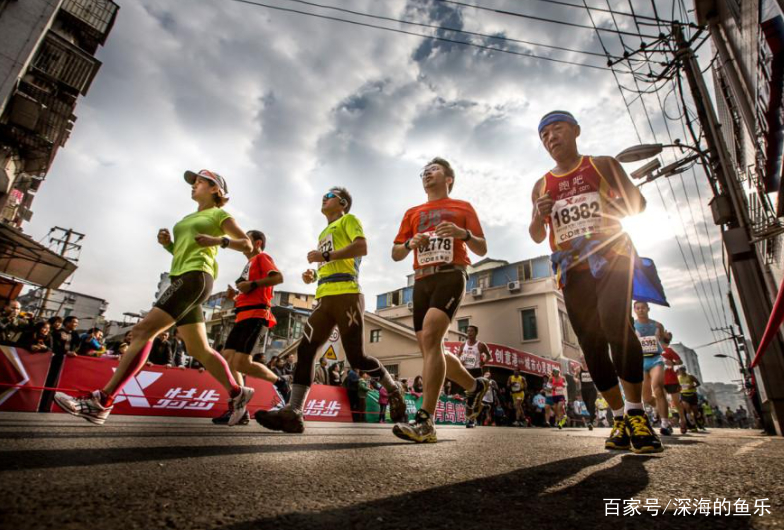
665 423
136 365
618 413
422 416
234 388
299 393
634 409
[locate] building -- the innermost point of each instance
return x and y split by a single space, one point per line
689 358
291 311
724 395
48 61
392 343
88 309
515 304
748 79
163 283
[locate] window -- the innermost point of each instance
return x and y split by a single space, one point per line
483 282
375 335
566 329
530 331
394 298
462 325
525 271
296 329
284 298
393 369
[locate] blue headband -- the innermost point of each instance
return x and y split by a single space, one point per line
557 116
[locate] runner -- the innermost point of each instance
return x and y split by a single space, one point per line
473 356
440 232
580 203
340 303
557 384
517 385
689 398
588 393
252 309
671 384
194 267
650 333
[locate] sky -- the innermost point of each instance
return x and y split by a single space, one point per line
285 105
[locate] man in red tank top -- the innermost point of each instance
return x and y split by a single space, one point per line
440 232
252 307
580 203
671 384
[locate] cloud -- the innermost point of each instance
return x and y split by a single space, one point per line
285 106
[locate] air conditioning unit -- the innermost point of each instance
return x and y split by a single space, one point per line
476 292
513 286
410 306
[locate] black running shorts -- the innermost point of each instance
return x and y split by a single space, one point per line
244 334
691 399
183 299
673 388
442 290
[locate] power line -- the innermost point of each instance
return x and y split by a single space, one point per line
639 137
610 10
446 28
543 19
431 37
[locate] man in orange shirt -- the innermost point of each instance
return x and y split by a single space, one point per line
440 232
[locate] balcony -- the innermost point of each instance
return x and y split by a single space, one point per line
60 61
95 17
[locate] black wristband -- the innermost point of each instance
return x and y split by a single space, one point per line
468 235
225 242
253 286
407 244
326 255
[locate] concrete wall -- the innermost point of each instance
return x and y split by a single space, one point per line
22 26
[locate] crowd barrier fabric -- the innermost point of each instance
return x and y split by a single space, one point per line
22 374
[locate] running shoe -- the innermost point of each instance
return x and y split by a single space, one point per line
239 404
285 419
590 426
474 403
470 424
619 436
398 410
641 435
562 423
666 431
421 430
223 419
88 406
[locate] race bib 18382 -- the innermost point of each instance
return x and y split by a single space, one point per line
437 250
576 216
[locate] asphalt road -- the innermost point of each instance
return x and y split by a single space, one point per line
60 472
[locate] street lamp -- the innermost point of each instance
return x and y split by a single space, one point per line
644 151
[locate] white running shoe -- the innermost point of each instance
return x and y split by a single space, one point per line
88 406
240 404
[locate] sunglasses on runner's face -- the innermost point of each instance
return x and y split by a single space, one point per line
330 195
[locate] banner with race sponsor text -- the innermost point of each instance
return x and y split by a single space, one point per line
22 375
161 391
510 358
449 410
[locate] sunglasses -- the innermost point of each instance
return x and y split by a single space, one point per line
330 195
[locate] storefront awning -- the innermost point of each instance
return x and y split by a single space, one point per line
26 260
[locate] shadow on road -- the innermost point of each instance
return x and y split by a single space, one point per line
527 497
56 458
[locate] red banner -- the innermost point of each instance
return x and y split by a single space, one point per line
25 371
162 391
505 357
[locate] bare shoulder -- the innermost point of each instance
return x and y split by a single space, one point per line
535 191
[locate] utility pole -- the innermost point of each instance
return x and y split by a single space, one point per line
730 209
66 234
